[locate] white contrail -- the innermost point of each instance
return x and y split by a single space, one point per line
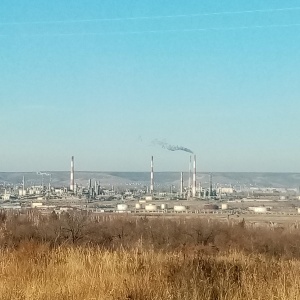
155 17
155 31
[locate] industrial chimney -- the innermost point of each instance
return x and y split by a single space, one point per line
194 178
72 182
181 185
152 177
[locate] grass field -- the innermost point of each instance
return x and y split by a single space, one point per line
36 272
76 257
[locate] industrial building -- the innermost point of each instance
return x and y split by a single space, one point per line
190 192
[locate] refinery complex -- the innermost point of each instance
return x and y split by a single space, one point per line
190 193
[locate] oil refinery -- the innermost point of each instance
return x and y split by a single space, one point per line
188 192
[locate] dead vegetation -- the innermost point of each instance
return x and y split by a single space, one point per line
78 256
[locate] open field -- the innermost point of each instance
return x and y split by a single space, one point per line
75 256
36 272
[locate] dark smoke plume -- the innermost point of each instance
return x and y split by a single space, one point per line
169 147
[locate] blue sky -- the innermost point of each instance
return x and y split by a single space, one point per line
104 90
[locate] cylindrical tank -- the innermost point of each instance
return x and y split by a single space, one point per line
179 208
122 207
36 204
148 198
258 209
150 207
224 206
138 206
164 206
298 210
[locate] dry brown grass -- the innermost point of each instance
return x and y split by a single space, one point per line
78 257
165 234
37 272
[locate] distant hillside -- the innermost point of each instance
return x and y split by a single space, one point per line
279 180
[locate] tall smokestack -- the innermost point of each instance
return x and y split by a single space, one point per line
72 182
181 185
96 187
194 178
152 177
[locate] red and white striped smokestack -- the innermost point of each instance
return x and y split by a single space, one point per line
194 178
152 177
72 182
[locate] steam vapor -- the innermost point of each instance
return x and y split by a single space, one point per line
41 173
169 147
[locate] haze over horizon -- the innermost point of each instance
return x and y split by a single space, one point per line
102 80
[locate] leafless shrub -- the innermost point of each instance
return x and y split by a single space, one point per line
182 234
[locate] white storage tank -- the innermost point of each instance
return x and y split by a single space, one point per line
150 207
22 192
6 197
138 206
36 204
224 206
298 210
258 209
148 198
164 206
179 208
122 207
